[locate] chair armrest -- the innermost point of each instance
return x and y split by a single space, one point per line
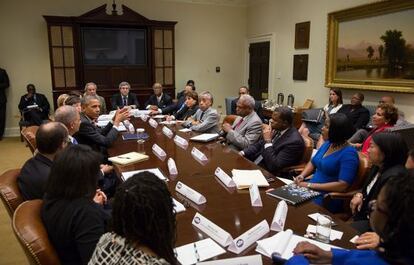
341 195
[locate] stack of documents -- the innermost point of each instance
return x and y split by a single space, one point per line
245 178
205 137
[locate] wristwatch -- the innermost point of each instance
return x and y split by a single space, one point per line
309 185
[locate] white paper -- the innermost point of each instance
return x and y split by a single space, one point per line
158 150
153 123
159 116
246 260
156 171
185 130
121 127
212 230
279 219
178 206
198 154
168 122
172 168
354 239
255 198
167 132
205 137
245 178
223 177
139 113
105 117
189 193
286 181
249 237
32 106
198 251
178 140
335 234
284 242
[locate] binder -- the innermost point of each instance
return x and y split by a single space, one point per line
293 194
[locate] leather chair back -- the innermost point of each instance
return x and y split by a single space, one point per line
32 235
362 173
230 119
9 190
29 135
307 154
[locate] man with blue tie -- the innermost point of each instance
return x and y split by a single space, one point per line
124 98
281 146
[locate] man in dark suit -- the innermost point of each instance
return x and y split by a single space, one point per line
281 146
159 102
4 83
89 134
34 106
357 113
179 106
51 138
124 98
245 91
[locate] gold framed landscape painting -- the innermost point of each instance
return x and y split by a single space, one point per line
372 47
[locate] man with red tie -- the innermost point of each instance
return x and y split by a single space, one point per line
246 129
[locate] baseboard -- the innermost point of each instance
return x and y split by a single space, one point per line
12 132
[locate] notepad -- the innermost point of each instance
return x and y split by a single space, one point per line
283 244
245 178
293 194
135 136
205 137
128 158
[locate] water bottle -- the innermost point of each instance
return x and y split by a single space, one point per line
290 100
280 99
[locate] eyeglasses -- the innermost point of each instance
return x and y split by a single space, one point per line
373 206
381 102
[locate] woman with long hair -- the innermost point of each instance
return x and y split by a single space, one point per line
144 227
335 164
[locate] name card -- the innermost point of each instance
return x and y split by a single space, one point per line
167 132
246 260
153 123
144 117
172 167
180 141
212 230
158 150
279 219
198 154
249 237
190 193
255 198
223 177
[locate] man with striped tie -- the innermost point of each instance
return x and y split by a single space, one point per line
281 144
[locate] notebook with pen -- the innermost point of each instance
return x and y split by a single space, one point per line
128 158
134 136
293 194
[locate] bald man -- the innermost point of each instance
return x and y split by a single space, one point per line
51 138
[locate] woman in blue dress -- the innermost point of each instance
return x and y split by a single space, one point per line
335 164
391 217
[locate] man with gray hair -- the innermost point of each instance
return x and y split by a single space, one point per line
159 102
206 118
90 90
70 117
124 98
246 128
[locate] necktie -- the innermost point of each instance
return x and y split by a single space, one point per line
201 117
125 101
274 139
238 124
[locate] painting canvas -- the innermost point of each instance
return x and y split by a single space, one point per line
374 50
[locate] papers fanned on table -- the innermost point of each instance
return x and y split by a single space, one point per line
283 244
198 251
156 171
128 158
205 137
245 178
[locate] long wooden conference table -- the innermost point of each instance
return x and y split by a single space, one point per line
228 208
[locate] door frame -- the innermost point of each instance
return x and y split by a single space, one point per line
261 38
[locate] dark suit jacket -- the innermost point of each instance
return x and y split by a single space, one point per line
165 104
4 83
98 139
285 151
359 116
397 170
185 113
40 100
117 102
257 107
33 177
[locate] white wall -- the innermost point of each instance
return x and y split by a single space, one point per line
279 17
206 36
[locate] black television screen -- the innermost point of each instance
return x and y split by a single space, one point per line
111 46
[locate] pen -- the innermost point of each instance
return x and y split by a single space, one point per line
196 252
124 157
